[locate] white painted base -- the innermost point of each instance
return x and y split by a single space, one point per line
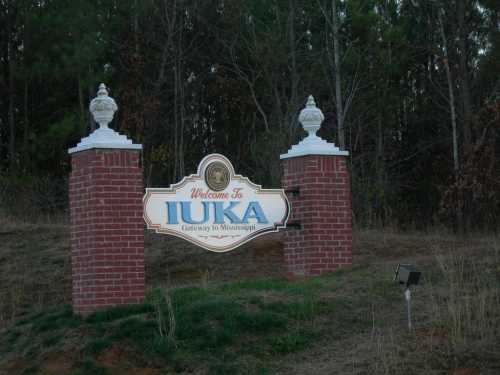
105 137
313 145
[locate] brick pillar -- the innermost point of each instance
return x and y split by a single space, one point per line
316 170
107 228
323 208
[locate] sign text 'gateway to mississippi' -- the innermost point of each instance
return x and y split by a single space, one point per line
215 208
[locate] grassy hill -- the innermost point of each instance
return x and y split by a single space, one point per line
234 313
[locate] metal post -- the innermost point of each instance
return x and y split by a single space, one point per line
408 305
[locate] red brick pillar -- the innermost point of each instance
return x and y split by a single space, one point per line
322 206
317 179
107 229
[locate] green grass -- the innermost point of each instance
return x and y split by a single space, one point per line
88 367
64 318
12 337
40 331
244 327
217 325
293 341
118 312
98 345
31 370
51 340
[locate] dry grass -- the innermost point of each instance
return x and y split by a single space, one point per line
470 304
34 268
455 310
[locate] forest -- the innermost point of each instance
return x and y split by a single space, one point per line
411 88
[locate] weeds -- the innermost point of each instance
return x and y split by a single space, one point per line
459 323
471 299
261 326
164 314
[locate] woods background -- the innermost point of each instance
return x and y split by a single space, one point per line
410 87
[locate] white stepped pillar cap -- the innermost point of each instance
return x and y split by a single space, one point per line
311 118
103 108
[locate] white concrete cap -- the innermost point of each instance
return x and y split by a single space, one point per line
311 118
103 109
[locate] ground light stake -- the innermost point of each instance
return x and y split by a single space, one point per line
408 306
407 274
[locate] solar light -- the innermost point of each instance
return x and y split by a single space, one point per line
407 274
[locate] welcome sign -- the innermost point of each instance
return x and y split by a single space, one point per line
215 208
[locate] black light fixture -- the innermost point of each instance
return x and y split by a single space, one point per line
407 274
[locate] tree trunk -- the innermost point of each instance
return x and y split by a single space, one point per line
338 87
451 99
136 27
464 74
10 112
292 106
176 125
82 108
27 46
380 168
26 123
92 123
182 171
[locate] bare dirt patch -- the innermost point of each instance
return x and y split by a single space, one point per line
57 363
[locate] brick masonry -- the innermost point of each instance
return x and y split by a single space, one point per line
107 229
323 207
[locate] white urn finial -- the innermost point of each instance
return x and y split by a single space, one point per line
103 107
311 118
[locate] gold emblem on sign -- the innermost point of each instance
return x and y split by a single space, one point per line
217 176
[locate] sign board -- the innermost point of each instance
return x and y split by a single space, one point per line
215 208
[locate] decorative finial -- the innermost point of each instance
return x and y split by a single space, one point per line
311 118
103 107
102 90
310 101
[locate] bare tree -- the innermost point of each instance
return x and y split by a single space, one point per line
449 78
10 14
463 71
338 87
342 100
451 95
